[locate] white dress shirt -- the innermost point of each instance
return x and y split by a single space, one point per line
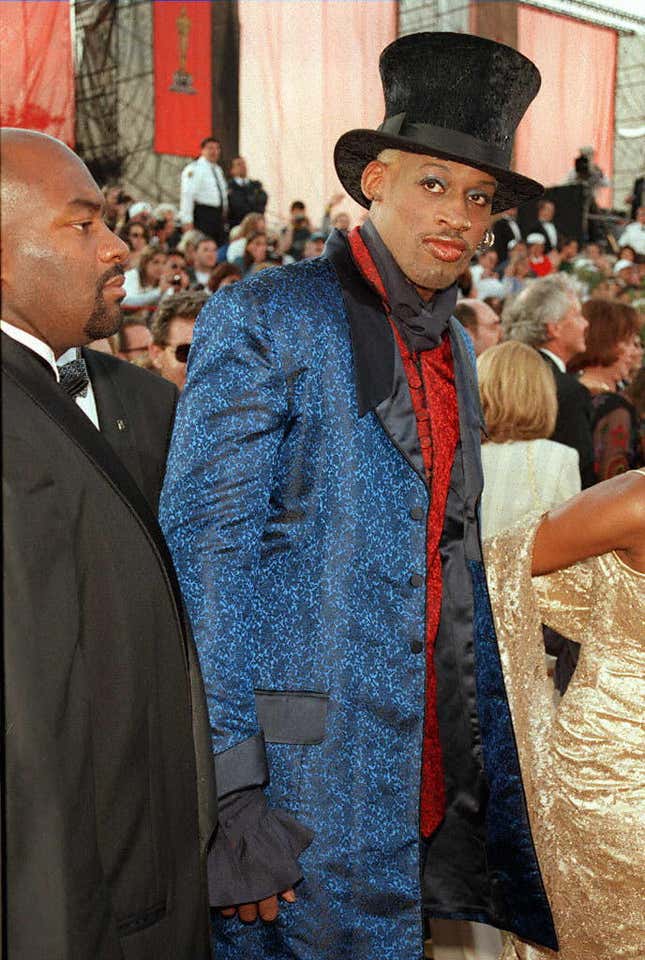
551 232
633 236
202 182
86 403
559 362
135 294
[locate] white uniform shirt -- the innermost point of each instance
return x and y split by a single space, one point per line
202 182
550 231
633 236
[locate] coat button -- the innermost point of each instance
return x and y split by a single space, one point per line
417 513
416 580
416 646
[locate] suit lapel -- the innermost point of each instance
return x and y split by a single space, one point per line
381 383
471 422
113 419
31 376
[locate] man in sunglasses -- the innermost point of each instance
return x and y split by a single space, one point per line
172 334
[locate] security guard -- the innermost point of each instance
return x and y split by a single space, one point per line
204 193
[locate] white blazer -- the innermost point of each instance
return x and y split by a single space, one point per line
524 476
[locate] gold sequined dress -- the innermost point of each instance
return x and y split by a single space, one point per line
582 762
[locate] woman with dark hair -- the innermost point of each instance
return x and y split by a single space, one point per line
255 254
612 345
136 236
223 275
145 284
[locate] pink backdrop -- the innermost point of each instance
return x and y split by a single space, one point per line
37 79
308 72
575 105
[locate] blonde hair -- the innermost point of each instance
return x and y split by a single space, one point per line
517 390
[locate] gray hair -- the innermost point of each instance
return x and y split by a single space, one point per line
543 301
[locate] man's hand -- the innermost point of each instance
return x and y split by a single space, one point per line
185 227
267 909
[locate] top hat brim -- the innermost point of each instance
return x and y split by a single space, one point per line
356 148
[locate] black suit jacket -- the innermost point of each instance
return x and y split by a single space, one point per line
250 198
109 796
573 425
136 411
503 236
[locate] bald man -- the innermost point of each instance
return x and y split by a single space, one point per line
107 775
481 322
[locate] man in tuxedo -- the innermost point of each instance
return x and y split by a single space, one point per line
244 195
547 315
545 225
505 229
109 800
134 409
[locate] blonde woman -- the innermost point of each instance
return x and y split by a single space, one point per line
523 470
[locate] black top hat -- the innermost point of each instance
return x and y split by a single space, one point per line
449 95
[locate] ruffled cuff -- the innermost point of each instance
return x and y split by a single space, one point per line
256 850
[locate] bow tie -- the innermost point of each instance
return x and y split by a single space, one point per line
74 378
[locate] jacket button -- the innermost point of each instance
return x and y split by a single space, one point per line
417 513
416 646
416 580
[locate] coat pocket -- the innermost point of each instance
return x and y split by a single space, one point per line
292 716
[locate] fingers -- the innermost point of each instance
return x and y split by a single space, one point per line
248 912
268 909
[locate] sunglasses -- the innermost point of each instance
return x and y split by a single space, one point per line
180 351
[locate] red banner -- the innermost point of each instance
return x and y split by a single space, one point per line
37 89
183 79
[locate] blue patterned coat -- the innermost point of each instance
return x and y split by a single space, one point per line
295 506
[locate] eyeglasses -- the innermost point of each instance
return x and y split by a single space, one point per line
180 351
136 236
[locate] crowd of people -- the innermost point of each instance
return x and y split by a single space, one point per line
171 263
291 517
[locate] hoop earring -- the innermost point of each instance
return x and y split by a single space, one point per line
486 241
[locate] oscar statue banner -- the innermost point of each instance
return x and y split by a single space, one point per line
183 76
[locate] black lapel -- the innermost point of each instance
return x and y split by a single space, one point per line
113 418
381 383
471 417
29 373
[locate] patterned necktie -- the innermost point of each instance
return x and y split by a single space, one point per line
74 378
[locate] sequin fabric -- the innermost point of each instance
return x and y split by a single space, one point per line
295 525
432 388
289 520
582 762
431 379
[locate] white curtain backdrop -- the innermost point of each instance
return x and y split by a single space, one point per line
308 73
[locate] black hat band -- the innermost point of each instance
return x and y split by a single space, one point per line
448 141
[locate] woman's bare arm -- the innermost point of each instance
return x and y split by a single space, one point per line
609 516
